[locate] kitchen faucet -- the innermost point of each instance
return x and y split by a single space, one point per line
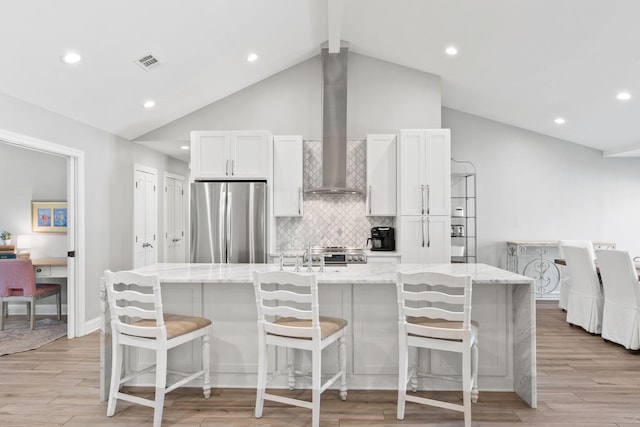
309 269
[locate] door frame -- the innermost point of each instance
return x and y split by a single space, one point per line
184 213
76 315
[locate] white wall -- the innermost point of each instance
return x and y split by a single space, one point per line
109 175
534 187
382 97
32 176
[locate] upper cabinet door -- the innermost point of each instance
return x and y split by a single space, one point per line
209 154
230 154
412 186
287 175
425 166
249 154
438 172
381 175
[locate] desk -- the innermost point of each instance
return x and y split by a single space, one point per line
563 262
55 268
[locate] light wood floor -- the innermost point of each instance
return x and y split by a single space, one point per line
582 381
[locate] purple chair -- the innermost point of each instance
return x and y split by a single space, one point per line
18 283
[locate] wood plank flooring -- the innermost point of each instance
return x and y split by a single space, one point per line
582 381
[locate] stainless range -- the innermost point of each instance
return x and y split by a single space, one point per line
334 255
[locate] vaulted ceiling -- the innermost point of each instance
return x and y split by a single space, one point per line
524 62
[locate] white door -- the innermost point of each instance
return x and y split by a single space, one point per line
174 214
413 239
249 154
439 239
413 191
145 205
438 171
425 239
381 175
287 175
210 154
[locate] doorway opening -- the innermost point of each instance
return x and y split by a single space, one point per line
75 164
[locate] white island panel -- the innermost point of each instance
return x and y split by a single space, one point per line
503 302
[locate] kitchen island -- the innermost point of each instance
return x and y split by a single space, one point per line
503 303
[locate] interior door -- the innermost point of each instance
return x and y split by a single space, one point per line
145 202
174 206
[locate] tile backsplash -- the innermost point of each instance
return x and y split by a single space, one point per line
330 219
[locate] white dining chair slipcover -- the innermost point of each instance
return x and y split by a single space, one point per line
584 307
621 312
565 280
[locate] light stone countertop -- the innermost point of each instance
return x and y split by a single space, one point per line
373 273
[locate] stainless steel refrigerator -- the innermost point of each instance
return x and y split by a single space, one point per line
229 222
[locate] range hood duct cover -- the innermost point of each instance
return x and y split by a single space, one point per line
334 124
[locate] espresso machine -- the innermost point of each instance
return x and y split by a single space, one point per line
382 239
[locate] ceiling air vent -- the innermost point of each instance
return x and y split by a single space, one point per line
148 62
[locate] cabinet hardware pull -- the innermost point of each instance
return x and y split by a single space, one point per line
428 199
422 190
299 200
422 222
369 200
428 233
233 167
226 167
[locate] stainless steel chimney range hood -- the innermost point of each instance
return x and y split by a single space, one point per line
334 124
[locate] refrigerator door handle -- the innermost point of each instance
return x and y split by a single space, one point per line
227 217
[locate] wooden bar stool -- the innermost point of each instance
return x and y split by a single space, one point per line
290 318
137 320
422 324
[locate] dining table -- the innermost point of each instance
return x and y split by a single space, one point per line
563 262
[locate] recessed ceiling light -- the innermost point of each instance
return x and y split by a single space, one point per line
184 147
451 50
71 58
149 104
559 121
623 96
252 57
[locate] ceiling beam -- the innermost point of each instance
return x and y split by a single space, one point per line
334 24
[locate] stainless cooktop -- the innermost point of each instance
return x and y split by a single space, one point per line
336 255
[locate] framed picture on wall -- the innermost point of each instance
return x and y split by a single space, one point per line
49 217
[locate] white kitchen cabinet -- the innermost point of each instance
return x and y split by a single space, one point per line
425 172
425 239
287 175
381 175
230 154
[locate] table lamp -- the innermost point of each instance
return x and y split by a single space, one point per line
23 245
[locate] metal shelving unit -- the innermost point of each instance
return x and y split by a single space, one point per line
463 227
